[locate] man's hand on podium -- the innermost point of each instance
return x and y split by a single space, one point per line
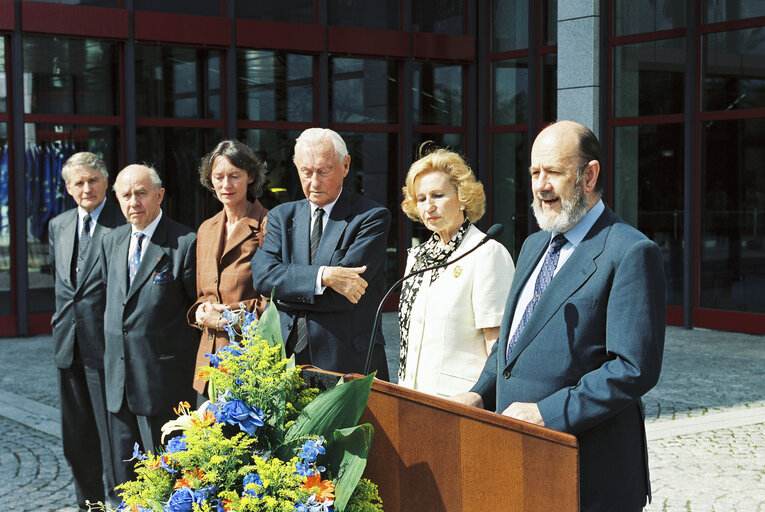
526 412
468 398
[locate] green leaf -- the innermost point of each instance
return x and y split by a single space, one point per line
347 457
270 327
336 408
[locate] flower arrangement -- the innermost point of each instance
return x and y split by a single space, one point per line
264 442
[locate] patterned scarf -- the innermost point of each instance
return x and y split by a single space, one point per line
426 255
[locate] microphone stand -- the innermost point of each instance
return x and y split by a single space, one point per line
492 233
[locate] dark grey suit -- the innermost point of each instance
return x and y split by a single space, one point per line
591 348
78 336
150 348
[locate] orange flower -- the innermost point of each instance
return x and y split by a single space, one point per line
324 489
208 418
182 482
203 372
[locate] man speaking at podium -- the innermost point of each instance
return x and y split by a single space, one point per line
582 336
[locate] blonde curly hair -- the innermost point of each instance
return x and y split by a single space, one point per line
469 190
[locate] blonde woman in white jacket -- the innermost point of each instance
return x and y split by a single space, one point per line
449 318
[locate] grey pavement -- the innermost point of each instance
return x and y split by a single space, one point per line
705 424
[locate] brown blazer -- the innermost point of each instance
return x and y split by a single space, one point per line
224 274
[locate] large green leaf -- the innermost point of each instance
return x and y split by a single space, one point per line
336 408
347 458
270 327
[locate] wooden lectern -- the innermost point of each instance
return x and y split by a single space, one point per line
433 455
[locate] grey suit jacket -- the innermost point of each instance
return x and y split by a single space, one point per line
150 348
79 308
590 350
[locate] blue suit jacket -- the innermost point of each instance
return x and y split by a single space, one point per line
355 235
150 347
590 350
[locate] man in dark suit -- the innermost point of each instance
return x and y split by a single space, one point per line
78 325
149 267
325 258
583 332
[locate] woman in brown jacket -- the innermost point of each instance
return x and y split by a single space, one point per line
226 243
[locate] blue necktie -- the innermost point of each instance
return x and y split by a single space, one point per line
543 279
135 256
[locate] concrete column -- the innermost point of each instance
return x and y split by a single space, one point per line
579 62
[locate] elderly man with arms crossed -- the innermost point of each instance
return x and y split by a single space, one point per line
583 332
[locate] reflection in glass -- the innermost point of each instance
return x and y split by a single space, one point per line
549 22
363 91
93 3
509 25
175 154
510 86
640 16
649 78
177 82
201 7
3 80
290 11
549 93
733 74
648 176
437 95
437 16
733 216
509 202
48 147
5 226
274 86
381 14
275 147
730 10
70 76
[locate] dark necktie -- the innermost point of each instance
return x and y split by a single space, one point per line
302 324
543 279
84 234
135 256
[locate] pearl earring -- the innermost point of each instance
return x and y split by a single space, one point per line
462 207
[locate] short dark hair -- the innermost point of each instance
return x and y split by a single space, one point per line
589 149
241 156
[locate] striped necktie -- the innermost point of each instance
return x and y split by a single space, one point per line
135 256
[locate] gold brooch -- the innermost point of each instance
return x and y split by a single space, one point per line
457 271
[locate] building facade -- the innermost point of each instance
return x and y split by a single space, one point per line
675 89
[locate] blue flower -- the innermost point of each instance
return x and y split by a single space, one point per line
177 444
136 454
312 505
304 469
251 478
312 449
181 500
163 463
236 412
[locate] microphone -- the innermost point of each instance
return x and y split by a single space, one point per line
492 233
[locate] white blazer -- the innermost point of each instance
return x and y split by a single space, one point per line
447 350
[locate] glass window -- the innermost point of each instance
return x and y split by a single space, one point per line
510 188
3 79
437 16
276 148
510 87
363 91
509 25
733 75
649 78
177 82
202 7
94 3
48 147
729 10
640 16
274 86
291 11
549 22
381 14
5 226
733 215
437 94
648 179
175 154
549 93
70 76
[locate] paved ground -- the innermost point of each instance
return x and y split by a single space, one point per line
706 424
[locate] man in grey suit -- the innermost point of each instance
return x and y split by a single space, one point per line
149 267
582 337
78 325
325 258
